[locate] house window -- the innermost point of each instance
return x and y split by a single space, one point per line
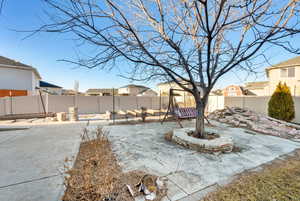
232 94
291 72
287 72
283 72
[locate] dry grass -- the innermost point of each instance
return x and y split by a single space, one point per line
279 181
168 136
96 175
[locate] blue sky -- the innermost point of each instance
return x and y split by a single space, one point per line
43 51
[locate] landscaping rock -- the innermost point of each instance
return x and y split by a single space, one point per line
257 122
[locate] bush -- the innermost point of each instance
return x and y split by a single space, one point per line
281 104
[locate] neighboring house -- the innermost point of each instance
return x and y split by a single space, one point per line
148 92
235 90
257 88
217 92
101 92
183 98
49 88
17 79
164 88
286 72
131 90
71 92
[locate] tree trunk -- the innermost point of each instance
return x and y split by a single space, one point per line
200 131
200 107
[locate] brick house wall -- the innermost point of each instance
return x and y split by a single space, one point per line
233 90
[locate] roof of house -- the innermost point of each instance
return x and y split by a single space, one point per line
103 90
245 91
70 92
217 92
48 85
6 62
256 85
148 89
288 63
173 82
134 85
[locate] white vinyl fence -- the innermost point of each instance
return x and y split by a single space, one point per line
85 104
101 104
215 103
258 104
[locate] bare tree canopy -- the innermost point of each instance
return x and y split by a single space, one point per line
187 41
1 5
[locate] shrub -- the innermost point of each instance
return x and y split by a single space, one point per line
281 104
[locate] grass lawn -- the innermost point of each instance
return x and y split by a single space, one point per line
279 181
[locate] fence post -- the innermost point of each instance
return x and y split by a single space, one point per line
6 105
243 102
47 102
152 98
159 104
113 106
98 102
11 107
119 106
74 100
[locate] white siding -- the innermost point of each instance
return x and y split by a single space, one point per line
17 79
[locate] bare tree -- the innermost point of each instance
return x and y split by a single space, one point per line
1 5
192 42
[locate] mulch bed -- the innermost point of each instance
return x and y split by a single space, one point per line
278 181
96 176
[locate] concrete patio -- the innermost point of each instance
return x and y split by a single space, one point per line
32 161
191 174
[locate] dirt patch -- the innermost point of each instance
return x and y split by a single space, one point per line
96 176
208 135
279 180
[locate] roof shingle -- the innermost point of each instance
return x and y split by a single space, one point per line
6 62
288 63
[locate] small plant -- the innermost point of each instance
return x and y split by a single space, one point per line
144 113
281 104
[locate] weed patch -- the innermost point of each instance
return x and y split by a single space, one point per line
279 181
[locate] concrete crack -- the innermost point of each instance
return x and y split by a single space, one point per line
29 181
